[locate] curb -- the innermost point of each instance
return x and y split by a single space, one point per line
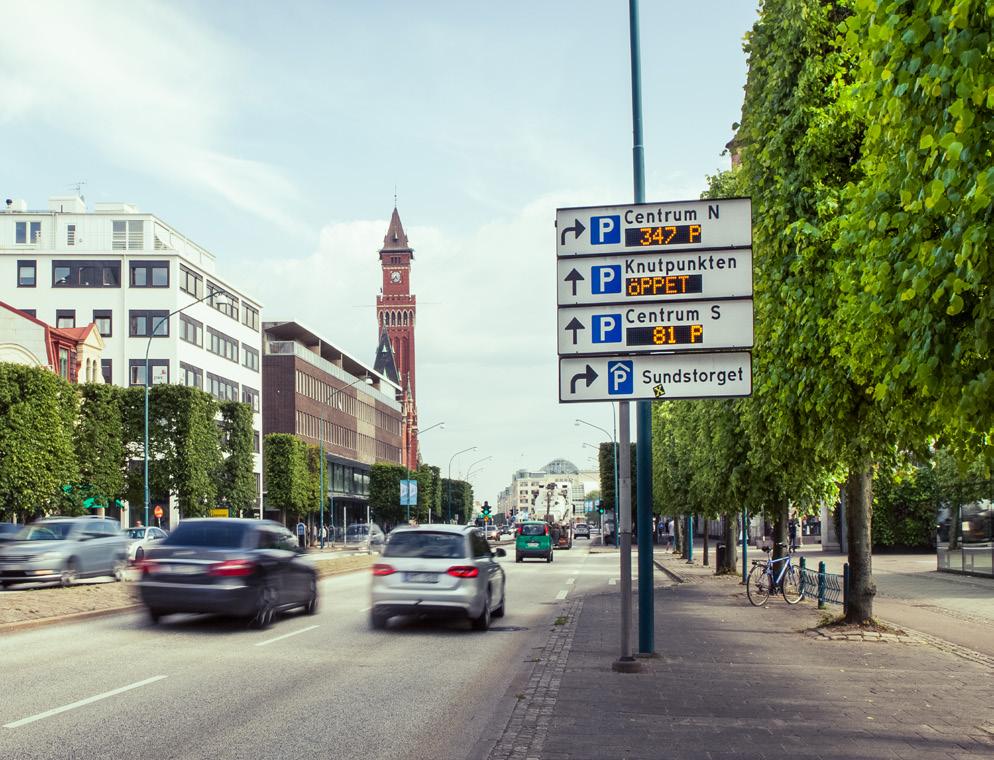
72 617
673 575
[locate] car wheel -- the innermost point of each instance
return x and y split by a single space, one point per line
120 566
499 612
517 558
69 573
154 615
482 622
265 609
7 584
312 601
378 620
139 554
548 557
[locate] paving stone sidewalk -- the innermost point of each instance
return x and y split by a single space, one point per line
734 681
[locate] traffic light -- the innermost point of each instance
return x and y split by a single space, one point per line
486 510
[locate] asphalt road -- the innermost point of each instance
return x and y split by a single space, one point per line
311 686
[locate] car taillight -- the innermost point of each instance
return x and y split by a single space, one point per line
463 571
381 569
232 568
146 566
546 530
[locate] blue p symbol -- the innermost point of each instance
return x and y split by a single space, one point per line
606 279
620 377
605 230
607 328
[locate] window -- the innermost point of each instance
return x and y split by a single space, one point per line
256 441
27 233
226 303
191 282
191 376
71 234
222 345
86 274
142 323
107 370
158 367
65 318
150 274
64 362
250 358
127 235
30 312
191 330
27 274
250 397
221 388
104 321
250 316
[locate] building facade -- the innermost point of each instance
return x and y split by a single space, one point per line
528 485
127 272
396 310
73 353
316 391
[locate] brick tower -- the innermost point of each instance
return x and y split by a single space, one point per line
396 307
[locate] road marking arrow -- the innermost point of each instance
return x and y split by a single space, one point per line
575 325
574 277
587 375
577 230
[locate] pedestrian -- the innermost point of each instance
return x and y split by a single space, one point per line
793 534
301 533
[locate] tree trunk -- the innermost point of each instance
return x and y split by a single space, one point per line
705 521
859 508
781 526
679 534
729 533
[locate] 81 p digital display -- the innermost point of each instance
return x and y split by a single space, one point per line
665 335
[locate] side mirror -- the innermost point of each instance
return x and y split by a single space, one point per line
500 552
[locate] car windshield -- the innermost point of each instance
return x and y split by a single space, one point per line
135 532
533 529
10 528
46 531
223 535
426 545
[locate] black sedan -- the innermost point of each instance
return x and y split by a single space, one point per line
242 568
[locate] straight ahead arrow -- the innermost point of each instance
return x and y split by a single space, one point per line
575 325
577 230
574 277
588 375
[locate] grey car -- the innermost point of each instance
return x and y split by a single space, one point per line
63 549
438 571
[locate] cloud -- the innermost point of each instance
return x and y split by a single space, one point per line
144 85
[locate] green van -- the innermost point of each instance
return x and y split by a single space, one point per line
533 539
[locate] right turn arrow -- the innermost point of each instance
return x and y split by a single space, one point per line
588 375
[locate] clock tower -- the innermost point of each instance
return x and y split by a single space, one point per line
395 312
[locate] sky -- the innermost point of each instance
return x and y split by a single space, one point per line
277 135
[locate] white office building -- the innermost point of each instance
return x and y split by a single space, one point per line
528 485
126 270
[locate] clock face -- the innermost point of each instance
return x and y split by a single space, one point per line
395 277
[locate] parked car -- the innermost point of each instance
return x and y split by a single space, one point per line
581 530
9 530
438 571
238 567
140 538
533 540
358 533
63 549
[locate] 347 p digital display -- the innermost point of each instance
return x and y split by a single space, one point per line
665 335
669 234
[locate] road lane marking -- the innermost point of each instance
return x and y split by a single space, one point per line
562 594
365 609
570 581
82 702
613 582
286 636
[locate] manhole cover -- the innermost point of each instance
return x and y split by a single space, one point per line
508 628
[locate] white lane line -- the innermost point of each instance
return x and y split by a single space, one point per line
562 594
286 636
613 582
82 702
365 609
570 581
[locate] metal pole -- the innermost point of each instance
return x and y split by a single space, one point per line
626 663
745 543
690 539
321 495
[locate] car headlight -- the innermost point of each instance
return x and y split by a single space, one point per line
49 556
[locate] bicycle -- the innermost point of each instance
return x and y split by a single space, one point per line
763 581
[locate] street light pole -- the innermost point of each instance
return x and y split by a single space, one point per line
614 452
148 379
448 484
417 435
323 494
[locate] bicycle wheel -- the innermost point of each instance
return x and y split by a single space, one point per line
790 586
759 585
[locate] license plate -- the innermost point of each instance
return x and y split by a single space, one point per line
422 577
532 544
182 569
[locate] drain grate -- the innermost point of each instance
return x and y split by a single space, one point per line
511 628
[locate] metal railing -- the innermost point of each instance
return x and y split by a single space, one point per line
826 587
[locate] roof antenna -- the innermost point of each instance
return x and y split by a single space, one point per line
78 187
395 196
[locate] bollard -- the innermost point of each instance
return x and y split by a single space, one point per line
821 585
803 568
845 589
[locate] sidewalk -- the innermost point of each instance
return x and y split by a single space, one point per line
734 681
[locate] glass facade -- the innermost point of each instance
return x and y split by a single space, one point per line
965 531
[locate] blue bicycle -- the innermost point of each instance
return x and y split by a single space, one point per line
771 575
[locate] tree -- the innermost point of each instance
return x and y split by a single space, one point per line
429 491
457 501
605 461
37 412
236 477
285 469
99 443
384 491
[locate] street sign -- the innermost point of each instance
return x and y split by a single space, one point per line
650 328
216 512
655 227
408 493
640 277
157 512
657 377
